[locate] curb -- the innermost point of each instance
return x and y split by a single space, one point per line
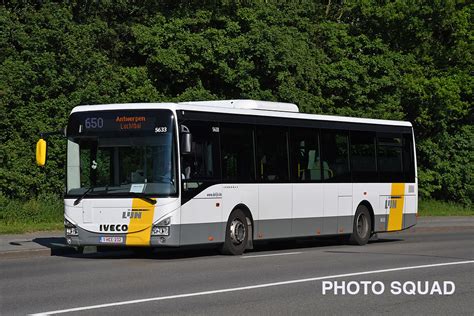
45 252
14 254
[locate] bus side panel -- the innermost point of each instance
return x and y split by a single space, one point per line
410 211
201 218
308 209
204 217
394 204
373 193
344 208
330 191
239 194
275 210
411 201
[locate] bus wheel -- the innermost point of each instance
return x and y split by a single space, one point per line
362 227
236 234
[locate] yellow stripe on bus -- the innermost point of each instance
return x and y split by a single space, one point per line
140 227
395 216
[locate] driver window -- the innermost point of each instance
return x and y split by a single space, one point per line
202 164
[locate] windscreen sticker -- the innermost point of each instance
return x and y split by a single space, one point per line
137 187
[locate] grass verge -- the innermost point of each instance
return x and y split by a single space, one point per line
46 213
42 213
441 208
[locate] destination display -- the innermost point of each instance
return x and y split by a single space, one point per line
83 123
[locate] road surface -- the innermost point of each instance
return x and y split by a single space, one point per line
277 278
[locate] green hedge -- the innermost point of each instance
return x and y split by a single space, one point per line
380 59
45 212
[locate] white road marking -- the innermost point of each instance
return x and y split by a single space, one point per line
257 286
272 254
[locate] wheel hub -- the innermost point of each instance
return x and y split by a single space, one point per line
237 231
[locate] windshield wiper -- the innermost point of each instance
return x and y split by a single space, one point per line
145 198
133 194
79 199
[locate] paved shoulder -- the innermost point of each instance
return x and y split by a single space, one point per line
30 244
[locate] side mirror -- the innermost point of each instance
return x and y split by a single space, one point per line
186 141
41 152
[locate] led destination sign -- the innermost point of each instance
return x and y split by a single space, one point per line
130 122
116 122
84 123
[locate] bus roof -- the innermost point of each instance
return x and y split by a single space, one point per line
242 107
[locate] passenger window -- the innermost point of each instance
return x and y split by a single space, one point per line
305 160
363 157
335 156
237 153
389 154
408 158
272 154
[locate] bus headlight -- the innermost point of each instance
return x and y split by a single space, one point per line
160 231
71 231
68 223
165 222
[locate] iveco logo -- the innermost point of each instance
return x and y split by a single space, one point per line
113 228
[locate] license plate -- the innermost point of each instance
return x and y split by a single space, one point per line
111 240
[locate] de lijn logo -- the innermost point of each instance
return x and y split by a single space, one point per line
395 288
135 213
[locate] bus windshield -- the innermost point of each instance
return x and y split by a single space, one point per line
123 155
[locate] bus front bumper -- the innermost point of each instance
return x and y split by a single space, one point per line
87 238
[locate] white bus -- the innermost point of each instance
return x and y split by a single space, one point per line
231 173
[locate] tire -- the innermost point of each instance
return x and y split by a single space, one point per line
362 227
236 234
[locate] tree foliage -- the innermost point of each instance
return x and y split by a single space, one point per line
408 60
